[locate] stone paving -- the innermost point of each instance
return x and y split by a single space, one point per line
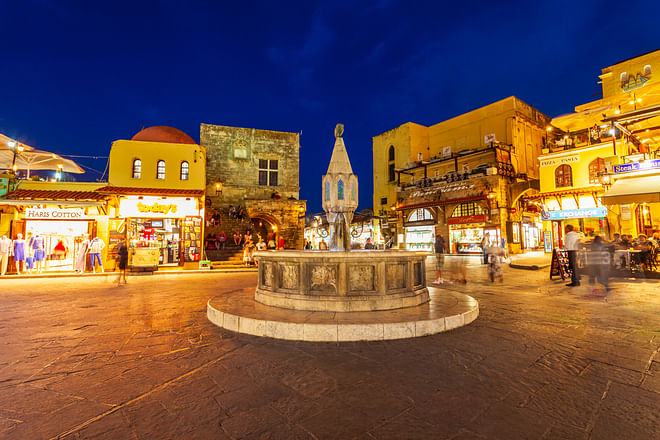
84 359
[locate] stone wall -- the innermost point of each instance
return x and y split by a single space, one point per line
232 176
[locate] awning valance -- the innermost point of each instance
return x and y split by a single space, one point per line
644 189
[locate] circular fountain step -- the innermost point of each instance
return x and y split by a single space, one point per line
239 312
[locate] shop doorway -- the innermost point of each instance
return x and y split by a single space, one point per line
262 228
162 234
644 222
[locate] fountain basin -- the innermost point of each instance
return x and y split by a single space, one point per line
336 281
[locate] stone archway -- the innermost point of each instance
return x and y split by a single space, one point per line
263 225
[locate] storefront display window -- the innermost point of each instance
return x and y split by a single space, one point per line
160 234
61 234
466 239
419 238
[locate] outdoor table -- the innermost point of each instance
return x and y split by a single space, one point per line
629 255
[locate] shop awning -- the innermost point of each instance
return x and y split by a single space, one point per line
15 202
644 189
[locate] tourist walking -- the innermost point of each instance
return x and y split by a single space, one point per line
122 256
439 249
598 262
572 244
485 242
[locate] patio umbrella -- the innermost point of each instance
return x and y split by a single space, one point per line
37 160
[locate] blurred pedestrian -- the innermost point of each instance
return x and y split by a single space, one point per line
122 256
439 249
485 242
496 255
598 262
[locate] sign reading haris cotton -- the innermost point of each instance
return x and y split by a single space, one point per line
55 214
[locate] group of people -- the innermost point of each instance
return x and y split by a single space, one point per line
236 212
600 255
216 241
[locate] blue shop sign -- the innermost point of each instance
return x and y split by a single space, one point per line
566 214
637 166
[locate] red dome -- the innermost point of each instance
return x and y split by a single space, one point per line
163 134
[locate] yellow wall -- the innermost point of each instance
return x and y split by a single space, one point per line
123 152
580 169
611 76
511 120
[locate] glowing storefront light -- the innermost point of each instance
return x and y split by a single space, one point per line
158 207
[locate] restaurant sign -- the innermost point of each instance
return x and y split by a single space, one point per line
637 166
55 214
479 218
559 161
566 214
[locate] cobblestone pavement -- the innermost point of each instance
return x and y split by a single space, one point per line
84 359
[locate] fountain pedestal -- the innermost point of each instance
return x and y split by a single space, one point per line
341 281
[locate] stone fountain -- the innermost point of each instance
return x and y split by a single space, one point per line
299 293
338 279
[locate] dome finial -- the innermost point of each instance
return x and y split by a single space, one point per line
339 130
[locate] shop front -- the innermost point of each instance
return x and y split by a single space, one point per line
468 227
589 221
420 230
159 231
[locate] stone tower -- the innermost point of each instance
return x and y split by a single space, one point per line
340 194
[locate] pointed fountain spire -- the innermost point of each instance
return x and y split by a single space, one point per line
339 162
340 194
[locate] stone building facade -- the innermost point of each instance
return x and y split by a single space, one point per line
258 170
462 178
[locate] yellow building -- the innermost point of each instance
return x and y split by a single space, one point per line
612 142
156 181
462 177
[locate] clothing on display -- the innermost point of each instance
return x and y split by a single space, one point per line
5 244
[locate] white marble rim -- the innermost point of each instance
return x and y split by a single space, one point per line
340 332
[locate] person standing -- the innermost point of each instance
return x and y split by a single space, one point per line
280 245
222 240
122 255
439 249
485 242
95 248
323 246
5 245
572 244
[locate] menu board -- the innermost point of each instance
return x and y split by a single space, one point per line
192 238
560 265
116 234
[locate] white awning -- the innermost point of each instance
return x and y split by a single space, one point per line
644 189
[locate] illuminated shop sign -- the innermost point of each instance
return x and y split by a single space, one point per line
637 166
156 207
478 218
566 214
559 161
55 214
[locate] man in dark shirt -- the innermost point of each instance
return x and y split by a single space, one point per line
439 257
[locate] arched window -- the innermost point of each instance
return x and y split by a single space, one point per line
327 190
390 164
563 176
420 215
624 77
137 169
647 70
340 190
160 170
467 210
184 170
596 167
353 191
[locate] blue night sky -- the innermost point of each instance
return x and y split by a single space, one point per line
78 75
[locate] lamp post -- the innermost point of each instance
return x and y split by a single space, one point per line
59 172
13 145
